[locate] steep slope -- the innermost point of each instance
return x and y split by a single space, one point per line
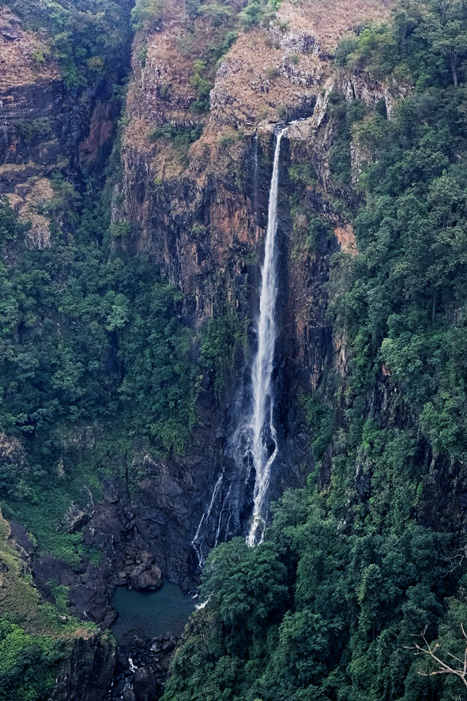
196 169
128 329
189 199
367 561
56 111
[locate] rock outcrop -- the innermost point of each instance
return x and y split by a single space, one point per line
89 671
45 128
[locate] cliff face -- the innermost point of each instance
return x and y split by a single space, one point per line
194 195
89 670
270 75
45 128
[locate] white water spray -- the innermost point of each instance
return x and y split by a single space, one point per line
263 443
195 542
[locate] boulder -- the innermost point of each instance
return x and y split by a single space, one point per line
146 578
144 684
75 518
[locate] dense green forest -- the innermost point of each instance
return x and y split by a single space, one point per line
86 336
332 605
369 560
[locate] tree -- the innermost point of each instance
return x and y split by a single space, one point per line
446 30
450 665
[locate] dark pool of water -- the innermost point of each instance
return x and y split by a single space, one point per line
149 614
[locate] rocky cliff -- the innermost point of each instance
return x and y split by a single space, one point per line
193 196
46 129
197 134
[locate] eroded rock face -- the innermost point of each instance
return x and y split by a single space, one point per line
142 669
44 128
201 217
89 671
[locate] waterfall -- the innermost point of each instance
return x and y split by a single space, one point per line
196 544
254 442
262 433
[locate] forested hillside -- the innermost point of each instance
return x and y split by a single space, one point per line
137 148
371 555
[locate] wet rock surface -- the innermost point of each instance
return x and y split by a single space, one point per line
89 671
142 669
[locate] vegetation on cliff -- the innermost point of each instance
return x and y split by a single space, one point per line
86 335
87 37
372 552
331 605
35 636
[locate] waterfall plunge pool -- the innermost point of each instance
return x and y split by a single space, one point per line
148 615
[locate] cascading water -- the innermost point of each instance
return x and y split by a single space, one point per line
196 542
254 444
262 436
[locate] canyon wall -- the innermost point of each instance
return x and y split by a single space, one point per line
192 196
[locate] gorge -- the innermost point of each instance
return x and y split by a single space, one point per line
232 349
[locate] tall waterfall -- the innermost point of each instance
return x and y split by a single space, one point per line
263 437
254 442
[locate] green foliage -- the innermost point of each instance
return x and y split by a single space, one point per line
406 291
59 593
258 12
345 116
29 663
84 336
89 39
315 612
158 386
146 14
216 13
219 339
180 137
379 556
29 130
427 41
303 174
320 420
202 86
35 638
